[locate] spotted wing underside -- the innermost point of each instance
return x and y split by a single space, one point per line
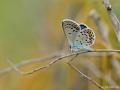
70 29
85 38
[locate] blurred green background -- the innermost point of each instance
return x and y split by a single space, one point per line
32 28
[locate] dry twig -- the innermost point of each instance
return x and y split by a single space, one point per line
65 56
30 61
85 76
93 68
60 58
113 18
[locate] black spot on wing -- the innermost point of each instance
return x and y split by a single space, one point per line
80 42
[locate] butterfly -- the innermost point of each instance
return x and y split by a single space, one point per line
79 36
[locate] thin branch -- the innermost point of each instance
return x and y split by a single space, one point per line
42 67
113 18
95 70
60 58
86 77
82 74
30 61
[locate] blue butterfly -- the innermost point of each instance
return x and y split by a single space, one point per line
79 36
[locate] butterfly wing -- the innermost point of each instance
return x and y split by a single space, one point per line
82 26
84 39
70 29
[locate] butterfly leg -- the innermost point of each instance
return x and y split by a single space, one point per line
71 49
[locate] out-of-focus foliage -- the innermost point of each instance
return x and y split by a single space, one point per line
32 28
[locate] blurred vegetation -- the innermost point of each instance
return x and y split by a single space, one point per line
32 28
